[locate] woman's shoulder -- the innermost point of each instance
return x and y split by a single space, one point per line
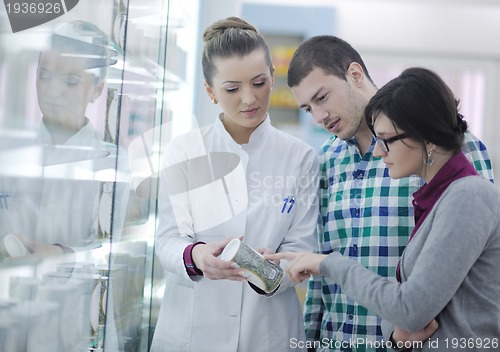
475 182
476 187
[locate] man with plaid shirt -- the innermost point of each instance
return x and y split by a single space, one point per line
365 214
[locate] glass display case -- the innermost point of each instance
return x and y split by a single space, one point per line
87 102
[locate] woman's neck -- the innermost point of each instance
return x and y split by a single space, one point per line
60 133
240 134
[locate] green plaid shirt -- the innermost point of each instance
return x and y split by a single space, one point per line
367 216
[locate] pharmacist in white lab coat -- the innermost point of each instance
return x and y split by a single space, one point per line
237 177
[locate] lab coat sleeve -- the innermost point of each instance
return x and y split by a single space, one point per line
313 305
301 236
175 225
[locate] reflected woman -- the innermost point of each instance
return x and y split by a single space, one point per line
58 212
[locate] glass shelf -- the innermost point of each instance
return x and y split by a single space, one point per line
89 234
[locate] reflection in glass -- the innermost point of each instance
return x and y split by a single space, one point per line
58 187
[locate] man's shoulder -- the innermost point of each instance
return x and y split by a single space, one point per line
477 153
472 143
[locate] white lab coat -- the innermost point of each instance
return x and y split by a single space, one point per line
53 209
198 314
60 202
53 205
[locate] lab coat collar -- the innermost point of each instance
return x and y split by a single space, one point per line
261 131
86 136
257 135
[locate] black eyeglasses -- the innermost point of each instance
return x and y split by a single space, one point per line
384 143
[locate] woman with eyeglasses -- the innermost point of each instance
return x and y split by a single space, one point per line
447 284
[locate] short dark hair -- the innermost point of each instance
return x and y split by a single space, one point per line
420 103
230 37
332 54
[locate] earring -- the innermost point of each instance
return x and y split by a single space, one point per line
214 100
429 161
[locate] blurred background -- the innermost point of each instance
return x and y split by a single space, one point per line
457 39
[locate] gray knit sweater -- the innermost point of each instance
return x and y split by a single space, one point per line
450 271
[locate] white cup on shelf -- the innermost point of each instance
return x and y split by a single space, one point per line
11 247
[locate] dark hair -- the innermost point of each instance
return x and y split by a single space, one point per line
420 103
331 54
230 37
